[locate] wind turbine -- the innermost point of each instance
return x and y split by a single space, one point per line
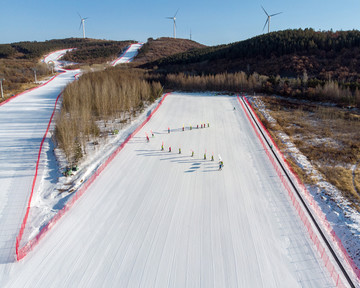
174 18
82 23
268 18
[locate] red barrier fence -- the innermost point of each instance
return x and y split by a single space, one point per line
27 91
313 236
22 252
13 97
315 207
22 228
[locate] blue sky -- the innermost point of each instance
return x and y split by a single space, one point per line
211 22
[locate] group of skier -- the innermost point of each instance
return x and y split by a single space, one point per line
202 125
221 163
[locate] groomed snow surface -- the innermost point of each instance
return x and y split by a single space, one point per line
162 219
128 55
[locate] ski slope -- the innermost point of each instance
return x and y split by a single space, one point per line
128 55
159 219
55 57
23 122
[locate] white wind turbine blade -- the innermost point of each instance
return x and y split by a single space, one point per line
265 11
176 12
276 14
267 20
80 19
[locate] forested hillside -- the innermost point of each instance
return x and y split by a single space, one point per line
97 51
35 50
289 53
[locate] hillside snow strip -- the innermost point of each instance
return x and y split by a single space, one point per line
55 57
155 218
128 55
23 122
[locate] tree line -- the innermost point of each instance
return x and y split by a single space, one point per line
107 98
301 87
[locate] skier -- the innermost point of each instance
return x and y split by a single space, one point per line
197 126
169 148
147 138
234 108
183 128
169 130
208 124
212 157
162 147
179 150
205 156
190 127
192 153
221 164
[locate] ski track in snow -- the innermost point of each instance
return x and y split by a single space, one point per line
160 219
23 122
128 55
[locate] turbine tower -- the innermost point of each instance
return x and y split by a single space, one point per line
268 18
82 23
174 18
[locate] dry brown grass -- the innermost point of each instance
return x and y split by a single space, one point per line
357 178
19 75
341 178
328 136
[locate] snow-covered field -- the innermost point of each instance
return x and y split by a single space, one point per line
159 219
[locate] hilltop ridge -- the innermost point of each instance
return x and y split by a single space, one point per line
287 53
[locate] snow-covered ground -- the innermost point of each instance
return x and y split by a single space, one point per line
54 190
24 120
159 219
128 55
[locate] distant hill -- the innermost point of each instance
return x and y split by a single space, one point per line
287 53
88 49
17 60
159 48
